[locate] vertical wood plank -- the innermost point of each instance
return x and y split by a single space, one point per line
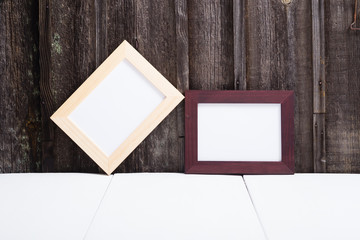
47 100
121 25
319 83
182 70
319 143
279 57
101 31
239 44
5 93
162 145
342 76
72 36
160 150
318 38
182 45
19 87
211 45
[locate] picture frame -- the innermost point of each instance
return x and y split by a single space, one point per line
239 132
114 110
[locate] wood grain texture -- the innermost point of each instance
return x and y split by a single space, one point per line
279 57
182 70
319 84
156 40
20 149
72 36
343 87
120 19
239 44
319 143
120 24
211 48
318 46
47 100
205 44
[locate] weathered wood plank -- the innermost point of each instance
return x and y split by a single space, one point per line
319 84
182 70
100 9
343 87
279 57
19 87
239 44
156 41
211 45
72 35
121 25
319 143
154 18
89 53
47 100
182 45
318 45
195 44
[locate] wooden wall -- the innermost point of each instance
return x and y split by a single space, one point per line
48 48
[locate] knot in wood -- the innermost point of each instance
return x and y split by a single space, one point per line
286 2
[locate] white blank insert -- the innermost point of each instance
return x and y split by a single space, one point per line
116 107
239 132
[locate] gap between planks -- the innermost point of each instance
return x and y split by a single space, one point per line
97 209
253 204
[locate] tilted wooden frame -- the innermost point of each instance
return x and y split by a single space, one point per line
172 97
286 163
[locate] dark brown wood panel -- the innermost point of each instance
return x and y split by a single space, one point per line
73 55
319 85
343 88
182 70
279 57
211 45
121 25
20 147
156 41
48 48
47 99
120 20
240 30
319 142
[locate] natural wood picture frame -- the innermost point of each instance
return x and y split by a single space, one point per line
285 165
64 118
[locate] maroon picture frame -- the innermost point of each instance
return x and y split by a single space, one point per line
194 97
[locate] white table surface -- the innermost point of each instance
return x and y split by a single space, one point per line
176 206
179 206
49 206
307 206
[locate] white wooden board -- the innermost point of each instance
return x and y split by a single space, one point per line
49 206
307 206
176 206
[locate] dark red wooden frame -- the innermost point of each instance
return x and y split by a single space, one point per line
285 98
